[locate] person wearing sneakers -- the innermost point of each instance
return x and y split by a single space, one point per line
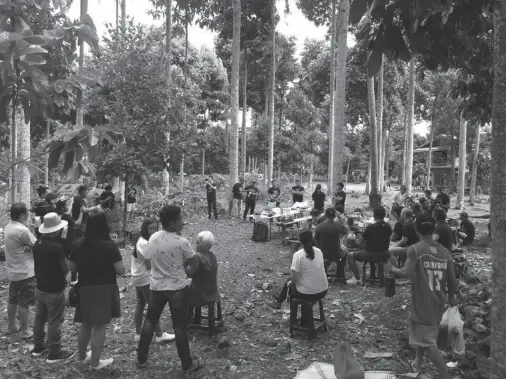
141 270
20 269
97 262
51 268
169 254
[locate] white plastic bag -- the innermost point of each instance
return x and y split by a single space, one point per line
454 325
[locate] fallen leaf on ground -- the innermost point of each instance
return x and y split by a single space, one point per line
372 355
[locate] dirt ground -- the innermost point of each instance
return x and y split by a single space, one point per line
260 345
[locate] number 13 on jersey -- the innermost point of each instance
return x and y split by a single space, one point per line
435 278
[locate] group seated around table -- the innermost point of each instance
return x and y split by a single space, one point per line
377 241
204 280
308 279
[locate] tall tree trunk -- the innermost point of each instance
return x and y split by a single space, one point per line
168 68
347 173
453 157
46 163
125 206
266 104
332 105
411 111
311 170
474 172
379 122
24 156
404 148
462 162
79 97
14 151
117 26
373 142
387 155
271 91
234 127
431 142
181 170
498 198
368 179
123 17
340 97
244 113
204 161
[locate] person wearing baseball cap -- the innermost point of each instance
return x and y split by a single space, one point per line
51 269
466 231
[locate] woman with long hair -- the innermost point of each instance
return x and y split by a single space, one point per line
308 280
319 198
97 261
141 272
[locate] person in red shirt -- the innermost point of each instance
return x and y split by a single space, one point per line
432 272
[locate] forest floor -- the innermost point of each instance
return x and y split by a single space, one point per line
260 344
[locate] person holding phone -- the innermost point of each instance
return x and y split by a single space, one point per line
211 196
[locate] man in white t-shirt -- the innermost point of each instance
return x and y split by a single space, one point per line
398 202
169 253
19 241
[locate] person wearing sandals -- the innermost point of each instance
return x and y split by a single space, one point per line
97 262
51 268
169 253
141 270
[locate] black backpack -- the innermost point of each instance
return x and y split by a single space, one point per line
260 232
461 264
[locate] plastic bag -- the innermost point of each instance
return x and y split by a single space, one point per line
345 364
451 332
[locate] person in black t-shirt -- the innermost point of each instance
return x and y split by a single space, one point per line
251 199
80 209
409 235
297 192
377 242
318 198
131 200
274 194
443 233
211 197
467 230
397 233
340 196
443 197
51 269
236 198
107 199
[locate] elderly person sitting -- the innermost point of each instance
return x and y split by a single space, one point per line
377 241
308 280
204 285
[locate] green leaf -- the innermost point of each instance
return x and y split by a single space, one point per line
69 162
95 135
4 42
33 59
20 26
109 128
108 138
357 10
34 170
375 58
88 35
32 50
79 153
54 156
87 20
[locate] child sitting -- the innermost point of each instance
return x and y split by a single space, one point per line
204 285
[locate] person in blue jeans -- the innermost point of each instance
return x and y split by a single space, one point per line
169 253
51 269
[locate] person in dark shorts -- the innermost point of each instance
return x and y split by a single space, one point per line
19 241
251 199
377 242
51 268
443 233
467 230
432 272
319 198
274 194
97 262
211 197
237 197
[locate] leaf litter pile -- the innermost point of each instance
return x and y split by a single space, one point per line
255 342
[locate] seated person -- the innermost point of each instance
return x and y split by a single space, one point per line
377 242
444 199
426 206
204 284
398 202
328 236
317 217
408 202
443 233
308 280
409 235
466 231
397 232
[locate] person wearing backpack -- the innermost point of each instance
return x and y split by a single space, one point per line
141 271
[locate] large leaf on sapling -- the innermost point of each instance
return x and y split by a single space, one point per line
33 60
32 50
54 156
109 128
87 20
88 35
69 162
357 10
79 153
375 59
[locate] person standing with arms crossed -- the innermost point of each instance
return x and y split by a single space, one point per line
211 197
432 272
251 199
236 198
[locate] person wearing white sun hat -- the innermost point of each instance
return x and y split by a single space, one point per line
51 268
